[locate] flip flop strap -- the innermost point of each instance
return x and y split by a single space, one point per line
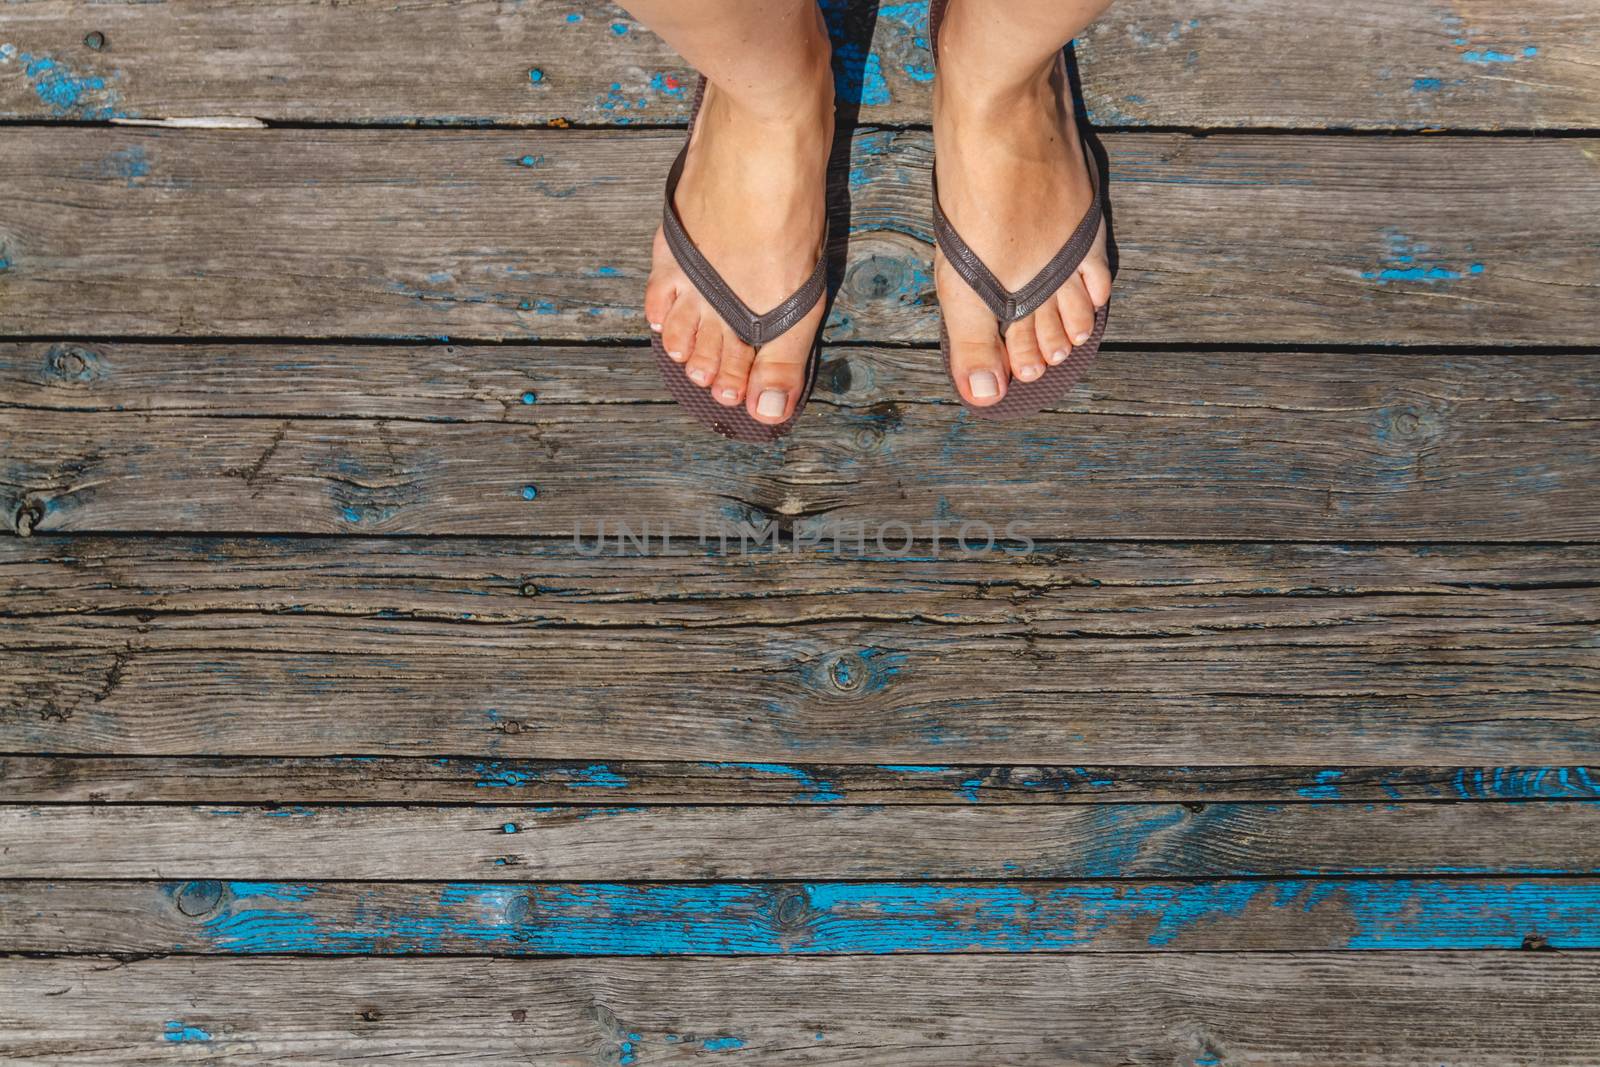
755 330
1010 306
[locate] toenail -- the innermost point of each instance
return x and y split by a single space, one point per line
1030 372
1079 338
772 403
676 357
655 327
699 376
730 394
983 384
1058 356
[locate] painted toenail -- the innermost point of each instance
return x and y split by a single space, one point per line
772 403
983 384
1058 357
699 376
730 394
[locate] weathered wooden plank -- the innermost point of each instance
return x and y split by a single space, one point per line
584 843
831 694
1337 591
463 780
1355 1009
1315 655
822 918
539 234
1220 445
1202 63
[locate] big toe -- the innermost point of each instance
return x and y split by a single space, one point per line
978 358
779 375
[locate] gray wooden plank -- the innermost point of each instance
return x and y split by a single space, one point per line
1202 63
542 234
837 693
1339 592
586 843
1203 1009
466 780
1155 445
1186 655
237 918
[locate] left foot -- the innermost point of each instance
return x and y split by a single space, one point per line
1014 182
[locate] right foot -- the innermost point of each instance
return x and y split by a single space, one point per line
752 197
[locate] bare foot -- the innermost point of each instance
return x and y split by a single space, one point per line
753 197
1014 182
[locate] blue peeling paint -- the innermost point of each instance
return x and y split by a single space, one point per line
1325 787
725 918
64 91
575 17
606 272
1411 262
969 790
668 85
1427 84
597 776
180 1034
722 1044
817 789
620 28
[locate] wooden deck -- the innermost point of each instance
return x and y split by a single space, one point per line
323 741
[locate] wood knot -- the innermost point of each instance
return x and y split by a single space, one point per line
835 376
791 911
28 516
71 363
95 39
200 898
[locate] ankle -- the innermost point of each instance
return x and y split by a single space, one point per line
969 89
790 93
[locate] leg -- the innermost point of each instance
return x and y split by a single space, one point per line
753 189
1014 182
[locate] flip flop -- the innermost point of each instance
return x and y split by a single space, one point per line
755 330
1021 398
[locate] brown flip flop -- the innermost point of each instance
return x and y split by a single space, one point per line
755 330
1021 398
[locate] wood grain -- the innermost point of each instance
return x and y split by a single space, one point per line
544 234
464 780
1355 1009
1291 445
584 842
820 918
1366 64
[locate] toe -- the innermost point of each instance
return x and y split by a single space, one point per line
779 373
678 329
1077 311
707 354
1051 334
733 372
658 297
1096 271
977 358
1022 351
